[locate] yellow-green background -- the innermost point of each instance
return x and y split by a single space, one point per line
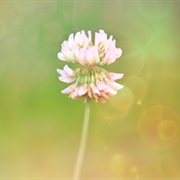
134 135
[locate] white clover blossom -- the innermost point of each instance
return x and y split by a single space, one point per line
90 81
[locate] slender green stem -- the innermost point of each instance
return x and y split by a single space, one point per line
83 142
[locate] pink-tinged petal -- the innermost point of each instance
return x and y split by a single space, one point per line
68 70
82 90
110 38
94 88
115 85
109 44
100 38
111 91
112 55
66 79
67 54
103 35
75 51
71 40
75 93
77 37
101 85
61 72
81 39
96 58
92 55
89 36
65 47
86 42
89 56
83 33
68 90
97 39
61 56
82 57
107 57
118 52
115 76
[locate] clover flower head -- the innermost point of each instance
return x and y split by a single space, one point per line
91 80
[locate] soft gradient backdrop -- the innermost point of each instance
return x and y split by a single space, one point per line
134 135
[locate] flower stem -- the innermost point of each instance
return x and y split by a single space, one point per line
83 142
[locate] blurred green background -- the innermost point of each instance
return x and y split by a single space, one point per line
134 135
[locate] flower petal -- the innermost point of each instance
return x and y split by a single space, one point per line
100 38
82 90
112 55
71 40
111 91
61 56
94 88
89 36
115 76
61 72
75 93
92 55
68 70
101 85
68 90
118 52
66 79
82 57
115 85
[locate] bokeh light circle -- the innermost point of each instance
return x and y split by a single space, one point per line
167 130
118 106
158 127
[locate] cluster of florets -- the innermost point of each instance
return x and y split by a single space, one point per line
90 81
